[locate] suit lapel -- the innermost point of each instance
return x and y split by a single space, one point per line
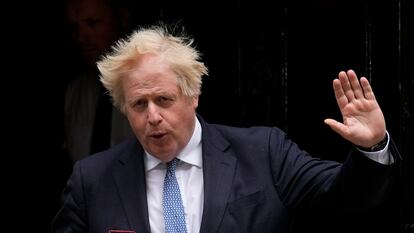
129 175
218 169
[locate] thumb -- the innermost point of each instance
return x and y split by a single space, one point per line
336 126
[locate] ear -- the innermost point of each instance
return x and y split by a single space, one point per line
195 101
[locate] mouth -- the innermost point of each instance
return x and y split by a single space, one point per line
158 135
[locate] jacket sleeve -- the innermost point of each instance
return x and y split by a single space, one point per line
71 217
306 181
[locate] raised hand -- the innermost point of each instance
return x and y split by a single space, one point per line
363 121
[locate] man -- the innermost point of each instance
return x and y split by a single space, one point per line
230 179
91 124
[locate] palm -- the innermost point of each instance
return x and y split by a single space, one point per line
363 121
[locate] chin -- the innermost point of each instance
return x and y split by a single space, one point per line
163 155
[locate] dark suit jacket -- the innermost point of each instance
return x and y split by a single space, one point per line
254 180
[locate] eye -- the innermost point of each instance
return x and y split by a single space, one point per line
141 103
164 101
92 22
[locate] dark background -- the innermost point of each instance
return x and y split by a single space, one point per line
270 64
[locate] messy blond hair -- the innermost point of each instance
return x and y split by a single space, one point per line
177 51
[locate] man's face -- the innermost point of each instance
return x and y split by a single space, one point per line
161 117
93 27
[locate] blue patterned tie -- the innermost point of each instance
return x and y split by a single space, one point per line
172 203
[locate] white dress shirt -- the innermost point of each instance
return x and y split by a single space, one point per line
81 101
383 156
189 173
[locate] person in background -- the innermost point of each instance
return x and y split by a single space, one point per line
182 174
91 124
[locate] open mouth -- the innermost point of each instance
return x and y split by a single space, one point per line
158 135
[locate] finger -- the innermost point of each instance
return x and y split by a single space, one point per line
339 94
356 86
346 86
336 126
369 94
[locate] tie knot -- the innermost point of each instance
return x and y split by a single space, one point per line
172 165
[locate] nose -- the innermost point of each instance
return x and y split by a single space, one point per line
154 115
84 35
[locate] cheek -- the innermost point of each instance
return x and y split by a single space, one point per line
136 121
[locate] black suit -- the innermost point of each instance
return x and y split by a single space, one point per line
254 179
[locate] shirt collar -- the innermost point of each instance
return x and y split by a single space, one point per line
187 155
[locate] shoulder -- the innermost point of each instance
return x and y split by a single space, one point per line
103 162
83 84
254 134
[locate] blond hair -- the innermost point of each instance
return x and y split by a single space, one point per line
177 51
